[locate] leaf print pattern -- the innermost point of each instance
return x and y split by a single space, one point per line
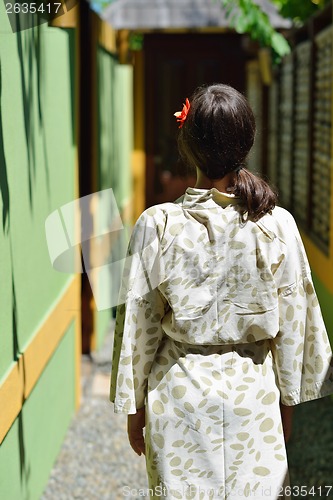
220 323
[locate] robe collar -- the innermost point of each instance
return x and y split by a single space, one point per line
208 198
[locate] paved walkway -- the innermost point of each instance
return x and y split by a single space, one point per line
97 463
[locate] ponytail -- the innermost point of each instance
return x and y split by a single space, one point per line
258 197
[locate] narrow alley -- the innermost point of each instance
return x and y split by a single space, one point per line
96 461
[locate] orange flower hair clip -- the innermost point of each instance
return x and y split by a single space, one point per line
182 115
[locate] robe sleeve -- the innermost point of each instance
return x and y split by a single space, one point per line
301 350
138 331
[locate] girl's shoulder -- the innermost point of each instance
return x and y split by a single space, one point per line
281 213
282 226
157 218
279 218
161 211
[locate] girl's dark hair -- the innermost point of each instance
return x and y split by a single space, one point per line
217 136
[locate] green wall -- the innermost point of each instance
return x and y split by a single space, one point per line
115 144
31 446
36 175
37 167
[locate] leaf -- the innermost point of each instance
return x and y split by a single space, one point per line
299 10
280 44
241 24
247 17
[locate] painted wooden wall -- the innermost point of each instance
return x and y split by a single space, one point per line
40 307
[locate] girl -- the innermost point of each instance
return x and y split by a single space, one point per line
220 332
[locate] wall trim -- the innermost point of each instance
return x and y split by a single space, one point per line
24 374
102 34
107 37
67 20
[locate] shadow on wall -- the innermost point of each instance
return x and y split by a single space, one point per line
31 74
29 49
24 468
72 67
4 189
30 68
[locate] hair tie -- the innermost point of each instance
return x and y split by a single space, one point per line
182 115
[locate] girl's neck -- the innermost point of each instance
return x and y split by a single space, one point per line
224 185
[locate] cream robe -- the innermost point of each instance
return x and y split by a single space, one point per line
220 322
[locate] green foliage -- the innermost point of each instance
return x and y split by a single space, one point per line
247 17
136 41
299 10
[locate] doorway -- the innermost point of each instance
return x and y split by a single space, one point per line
175 64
